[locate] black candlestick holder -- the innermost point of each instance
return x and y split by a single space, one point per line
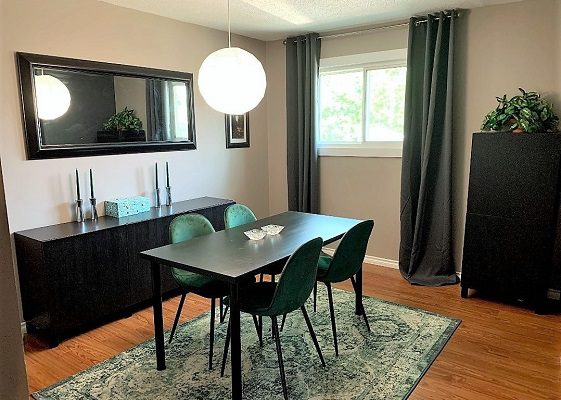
158 200
93 202
79 210
168 196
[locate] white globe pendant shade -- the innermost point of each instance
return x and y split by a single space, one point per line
53 97
232 81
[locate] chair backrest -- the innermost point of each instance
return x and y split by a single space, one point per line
186 227
297 279
189 226
349 256
238 214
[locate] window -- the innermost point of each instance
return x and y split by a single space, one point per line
361 104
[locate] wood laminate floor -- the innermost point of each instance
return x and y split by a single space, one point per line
498 352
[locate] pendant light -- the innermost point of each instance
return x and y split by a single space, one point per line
232 80
53 97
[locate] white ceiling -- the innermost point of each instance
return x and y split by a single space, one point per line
277 19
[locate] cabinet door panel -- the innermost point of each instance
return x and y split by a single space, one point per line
507 256
89 274
168 282
512 178
141 237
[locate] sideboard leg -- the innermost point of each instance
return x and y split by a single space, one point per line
465 291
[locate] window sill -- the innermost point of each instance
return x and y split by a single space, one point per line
362 151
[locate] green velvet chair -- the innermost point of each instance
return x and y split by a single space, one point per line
238 214
270 299
186 227
345 263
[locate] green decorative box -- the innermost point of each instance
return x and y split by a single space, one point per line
124 207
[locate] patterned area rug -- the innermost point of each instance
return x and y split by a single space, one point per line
384 364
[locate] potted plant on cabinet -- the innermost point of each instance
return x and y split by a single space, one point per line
527 112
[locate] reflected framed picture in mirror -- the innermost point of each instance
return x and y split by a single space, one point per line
237 131
82 108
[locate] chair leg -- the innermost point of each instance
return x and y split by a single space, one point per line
283 321
315 295
313 334
361 305
332 314
226 346
176 321
261 277
273 278
258 330
211 346
221 301
279 355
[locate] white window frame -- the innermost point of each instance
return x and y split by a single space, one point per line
364 62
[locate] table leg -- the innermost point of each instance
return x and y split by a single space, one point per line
158 318
358 298
235 341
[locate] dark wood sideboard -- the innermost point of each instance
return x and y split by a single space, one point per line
75 276
512 235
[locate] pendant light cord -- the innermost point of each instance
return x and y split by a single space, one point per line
229 30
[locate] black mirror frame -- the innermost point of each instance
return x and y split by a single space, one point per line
26 62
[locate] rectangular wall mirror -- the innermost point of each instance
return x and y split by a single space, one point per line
82 108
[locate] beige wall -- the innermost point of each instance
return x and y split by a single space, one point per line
365 187
499 49
13 383
131 93
276 126
349 186
40 192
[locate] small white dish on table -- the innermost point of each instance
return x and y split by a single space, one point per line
272 229
255 234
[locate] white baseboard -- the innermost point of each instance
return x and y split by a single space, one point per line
382 262
554 294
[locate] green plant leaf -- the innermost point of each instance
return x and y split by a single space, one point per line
527 111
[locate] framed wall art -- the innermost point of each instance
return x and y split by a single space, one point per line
237 131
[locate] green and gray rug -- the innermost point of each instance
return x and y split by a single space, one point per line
384 364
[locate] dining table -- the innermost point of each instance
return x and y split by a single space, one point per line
230 256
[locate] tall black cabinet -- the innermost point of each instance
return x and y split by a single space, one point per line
511 233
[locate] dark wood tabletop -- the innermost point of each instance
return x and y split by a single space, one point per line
229 255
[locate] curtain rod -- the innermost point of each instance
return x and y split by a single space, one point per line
453 14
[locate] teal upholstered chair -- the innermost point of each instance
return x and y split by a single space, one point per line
345 263
238 214
186 227
270 299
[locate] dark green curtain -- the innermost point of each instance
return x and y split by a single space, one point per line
302 67
425 254
155 110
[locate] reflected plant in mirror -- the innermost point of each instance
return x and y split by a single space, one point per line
124 126
78 108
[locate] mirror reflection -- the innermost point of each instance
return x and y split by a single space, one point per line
88 108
